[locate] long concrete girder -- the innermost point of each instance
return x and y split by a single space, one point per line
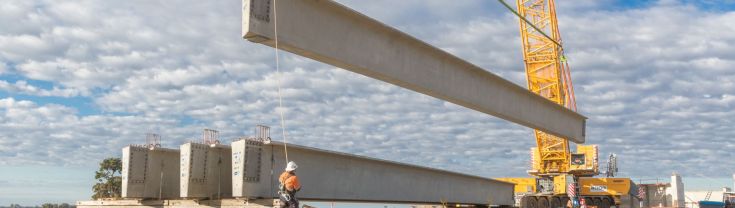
328 32
178 203
334 176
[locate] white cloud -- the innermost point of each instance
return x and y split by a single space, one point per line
20 46
54 135
70 73
641 76
3 68
23 87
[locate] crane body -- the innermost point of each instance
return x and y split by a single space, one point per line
553 165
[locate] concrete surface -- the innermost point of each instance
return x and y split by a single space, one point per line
334 176
247 158
205 171
334 34
150 173
657 195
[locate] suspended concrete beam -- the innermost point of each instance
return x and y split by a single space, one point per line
334 176
328 32
150 172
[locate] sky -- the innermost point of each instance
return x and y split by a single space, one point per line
81 79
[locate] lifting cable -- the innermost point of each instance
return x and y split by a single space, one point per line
563 57
529 23
565 64
278 80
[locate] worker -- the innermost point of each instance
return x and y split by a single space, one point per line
289 186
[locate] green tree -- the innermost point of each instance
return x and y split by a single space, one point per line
109 181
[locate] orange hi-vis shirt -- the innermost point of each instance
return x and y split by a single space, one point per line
291 183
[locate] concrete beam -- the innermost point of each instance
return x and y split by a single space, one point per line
178 203
328 32
333 176
150 173
205 171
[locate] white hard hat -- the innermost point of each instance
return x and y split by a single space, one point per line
291 166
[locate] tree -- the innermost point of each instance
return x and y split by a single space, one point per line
109 181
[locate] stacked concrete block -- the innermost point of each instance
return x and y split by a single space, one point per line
205 171
150 172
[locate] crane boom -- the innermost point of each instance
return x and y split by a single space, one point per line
547 76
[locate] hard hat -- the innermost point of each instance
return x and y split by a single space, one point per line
291 166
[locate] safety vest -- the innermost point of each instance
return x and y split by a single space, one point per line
287 180
282 187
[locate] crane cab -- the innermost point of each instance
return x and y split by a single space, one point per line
585 161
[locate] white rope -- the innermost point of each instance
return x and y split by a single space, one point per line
278 80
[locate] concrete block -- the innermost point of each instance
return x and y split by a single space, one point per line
205 171
247 156
150 173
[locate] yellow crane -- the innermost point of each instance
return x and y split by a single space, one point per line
553 165
547 74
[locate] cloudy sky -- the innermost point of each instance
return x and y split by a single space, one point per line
79 80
